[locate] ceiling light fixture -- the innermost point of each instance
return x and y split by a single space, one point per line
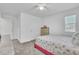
41 6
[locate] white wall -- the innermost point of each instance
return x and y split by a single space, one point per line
56 21
30 27
16 28
14 25
9 25
5 26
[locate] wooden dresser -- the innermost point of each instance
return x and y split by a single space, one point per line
44 30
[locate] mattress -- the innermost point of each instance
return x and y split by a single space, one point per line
57 44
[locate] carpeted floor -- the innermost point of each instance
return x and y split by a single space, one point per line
26 48
14 47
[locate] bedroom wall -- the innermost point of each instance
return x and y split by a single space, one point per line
9 25
56 21
16 28
30 27
5 26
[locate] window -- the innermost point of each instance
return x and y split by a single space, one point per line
70 23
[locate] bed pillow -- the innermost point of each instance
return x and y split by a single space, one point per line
75 39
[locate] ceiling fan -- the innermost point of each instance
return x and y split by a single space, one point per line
41 6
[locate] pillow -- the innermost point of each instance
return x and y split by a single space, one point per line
75 39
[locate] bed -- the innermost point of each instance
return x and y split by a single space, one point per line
56 45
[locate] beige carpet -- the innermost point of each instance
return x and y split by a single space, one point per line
14 47
26 48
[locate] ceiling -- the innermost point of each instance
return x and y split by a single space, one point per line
16 8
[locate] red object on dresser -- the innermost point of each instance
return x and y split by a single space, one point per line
43 50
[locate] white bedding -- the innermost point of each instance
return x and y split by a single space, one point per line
64 40
58 44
